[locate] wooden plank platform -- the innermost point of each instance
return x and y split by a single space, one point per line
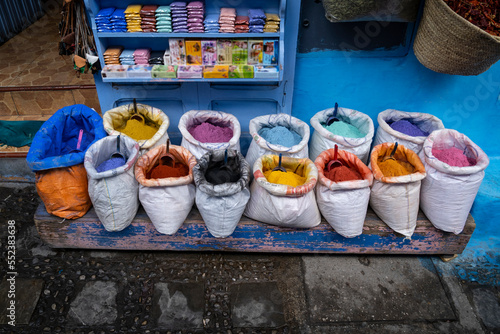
249 236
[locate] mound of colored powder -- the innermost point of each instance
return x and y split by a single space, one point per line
279 135
344 129
138 131
164 171
408 128
288 178
453 157
110 164
342 173
209 133
392 168
216 175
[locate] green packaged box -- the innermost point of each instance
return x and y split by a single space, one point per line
240 71
164 71
240 51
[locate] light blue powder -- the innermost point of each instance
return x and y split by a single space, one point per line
344 129
279 135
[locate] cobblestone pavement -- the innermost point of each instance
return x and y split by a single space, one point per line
81 291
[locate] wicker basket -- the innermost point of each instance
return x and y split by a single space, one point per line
448 43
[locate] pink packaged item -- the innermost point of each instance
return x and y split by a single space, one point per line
225 11
142 52
195 20
195 4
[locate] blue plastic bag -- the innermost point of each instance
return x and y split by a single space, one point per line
59 136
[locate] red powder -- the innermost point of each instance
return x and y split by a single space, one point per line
453 157
163 171
342 173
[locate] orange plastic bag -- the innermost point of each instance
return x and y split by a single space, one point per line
64 191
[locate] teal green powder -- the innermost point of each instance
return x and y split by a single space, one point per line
344 130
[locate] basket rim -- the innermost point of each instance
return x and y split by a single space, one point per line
448 8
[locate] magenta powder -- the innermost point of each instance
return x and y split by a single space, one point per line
209 133
453 157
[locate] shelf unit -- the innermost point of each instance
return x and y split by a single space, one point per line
245 98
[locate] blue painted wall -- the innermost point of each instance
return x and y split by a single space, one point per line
470 105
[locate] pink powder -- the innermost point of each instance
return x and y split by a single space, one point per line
453 157
209 133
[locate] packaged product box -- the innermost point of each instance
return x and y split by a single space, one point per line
240 71
240 51
216 72
164 71
139 71
114 71
266 72
224 52
193 52
190 72
167 60
177 51
255 47
209 52
270 56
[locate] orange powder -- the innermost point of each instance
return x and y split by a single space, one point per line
392 168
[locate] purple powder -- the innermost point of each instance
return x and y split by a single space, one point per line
209 133
110 164
408 128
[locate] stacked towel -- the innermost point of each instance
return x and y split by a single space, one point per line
272 23
112 55
212 23
163 19
196 11
257 20
179 16
241 24
103 20
127 57
156 58
226 19
133 18
118 21
148 18
141 56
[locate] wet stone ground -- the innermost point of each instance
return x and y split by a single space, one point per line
83 291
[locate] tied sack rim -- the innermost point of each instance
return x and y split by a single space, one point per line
185 124
224 189
282 119
396 115
152 157
322 117
270 161
460 141
126 111
349 159
92 150
402 153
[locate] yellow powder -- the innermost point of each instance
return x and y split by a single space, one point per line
288 179
395 167
138 131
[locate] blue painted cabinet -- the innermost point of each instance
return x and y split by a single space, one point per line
245 98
